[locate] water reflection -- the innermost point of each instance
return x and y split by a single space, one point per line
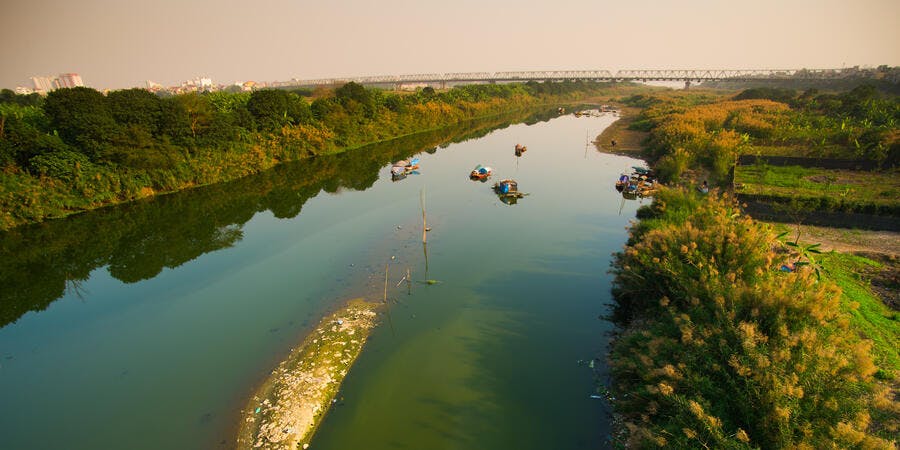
40 263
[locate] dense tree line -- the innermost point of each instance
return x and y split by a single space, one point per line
78 148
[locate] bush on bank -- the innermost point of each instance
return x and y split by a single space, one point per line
721 349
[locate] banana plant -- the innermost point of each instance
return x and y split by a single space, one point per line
806 254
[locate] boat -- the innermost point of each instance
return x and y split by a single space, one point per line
508 191
622 182
641 183
506 187
481 173
520 149
642 171
403 166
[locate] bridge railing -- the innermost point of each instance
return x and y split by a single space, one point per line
597 75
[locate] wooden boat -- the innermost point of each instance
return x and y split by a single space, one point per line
642 171
520 149
507 189
481 173
640 183
622 182
404 166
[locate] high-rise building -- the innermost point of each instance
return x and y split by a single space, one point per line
70 80
42 85
153 86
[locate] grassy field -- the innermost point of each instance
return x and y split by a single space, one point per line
882 188
801 150
868 314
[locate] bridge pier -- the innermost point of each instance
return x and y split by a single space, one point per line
687 84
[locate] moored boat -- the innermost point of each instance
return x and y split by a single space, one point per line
640 183
508 187
622 182
481 173
403 166
508 191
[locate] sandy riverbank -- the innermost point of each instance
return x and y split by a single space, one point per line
628 142
285 411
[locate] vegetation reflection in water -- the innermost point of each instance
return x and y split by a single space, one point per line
167 361
42 262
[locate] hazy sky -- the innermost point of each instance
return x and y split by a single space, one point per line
122 43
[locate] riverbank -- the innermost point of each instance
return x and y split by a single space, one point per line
222 137
288 407
627 142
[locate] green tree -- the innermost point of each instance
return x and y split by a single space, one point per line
8 96
198 111
82 118
271 108
136 107
174 121
355 92
23 135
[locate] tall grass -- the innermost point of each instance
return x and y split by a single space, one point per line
720 349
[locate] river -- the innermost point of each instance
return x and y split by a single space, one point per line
149 324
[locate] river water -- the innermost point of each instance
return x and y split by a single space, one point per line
148 325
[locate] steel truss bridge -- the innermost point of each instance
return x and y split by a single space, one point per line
687 76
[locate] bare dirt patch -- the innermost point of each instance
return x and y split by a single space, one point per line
627 142
851 241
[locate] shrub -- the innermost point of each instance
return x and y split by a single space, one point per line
64 164
722 350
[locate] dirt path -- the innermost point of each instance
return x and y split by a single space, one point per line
850 241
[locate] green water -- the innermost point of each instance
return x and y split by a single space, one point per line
148 325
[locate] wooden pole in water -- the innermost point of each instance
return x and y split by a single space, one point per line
587 142
387 305
385 282
408 282
424 224
424 231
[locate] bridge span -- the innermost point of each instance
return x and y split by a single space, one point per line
686 75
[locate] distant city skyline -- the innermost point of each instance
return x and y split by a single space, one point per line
116 44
